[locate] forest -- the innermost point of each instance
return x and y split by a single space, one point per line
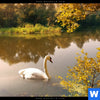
13 15
46 18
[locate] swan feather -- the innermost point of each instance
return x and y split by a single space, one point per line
32 73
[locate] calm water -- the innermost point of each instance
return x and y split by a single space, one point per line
19 53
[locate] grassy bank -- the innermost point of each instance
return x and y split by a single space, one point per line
30 31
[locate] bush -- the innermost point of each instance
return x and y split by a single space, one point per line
84 75
27 25
30 29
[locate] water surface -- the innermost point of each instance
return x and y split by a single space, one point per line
20 53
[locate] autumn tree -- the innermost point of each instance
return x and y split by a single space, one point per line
83 75
69 14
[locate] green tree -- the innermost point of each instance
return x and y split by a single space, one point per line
8 17
12 15
36 13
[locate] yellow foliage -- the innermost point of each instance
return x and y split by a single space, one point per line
69 14
82 50
83 75
59 77
98 48
98 54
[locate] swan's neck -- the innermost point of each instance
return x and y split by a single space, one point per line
45 68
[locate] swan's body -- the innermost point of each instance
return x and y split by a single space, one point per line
34 73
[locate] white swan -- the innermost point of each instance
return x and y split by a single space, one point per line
34 73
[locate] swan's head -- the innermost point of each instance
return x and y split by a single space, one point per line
49 58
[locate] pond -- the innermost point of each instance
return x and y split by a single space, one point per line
20 53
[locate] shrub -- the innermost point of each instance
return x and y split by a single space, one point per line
27 25
83 75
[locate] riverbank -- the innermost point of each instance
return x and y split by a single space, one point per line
31 31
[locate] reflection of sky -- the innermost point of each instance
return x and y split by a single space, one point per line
90 47
66 57
12 84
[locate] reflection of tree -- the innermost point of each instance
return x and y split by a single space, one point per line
18 49
14 50
83 36
63 42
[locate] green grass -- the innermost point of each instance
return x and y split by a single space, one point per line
30 31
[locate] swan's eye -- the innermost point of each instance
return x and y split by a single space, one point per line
51 60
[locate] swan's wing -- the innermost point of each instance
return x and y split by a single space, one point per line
34 76
32 73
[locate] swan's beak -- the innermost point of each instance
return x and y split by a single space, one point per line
51 60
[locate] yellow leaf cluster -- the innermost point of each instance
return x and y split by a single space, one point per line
69 14
83 75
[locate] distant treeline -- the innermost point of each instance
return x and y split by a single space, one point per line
18 14
13 15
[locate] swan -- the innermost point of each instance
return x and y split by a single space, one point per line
34 73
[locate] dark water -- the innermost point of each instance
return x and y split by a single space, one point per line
19 53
